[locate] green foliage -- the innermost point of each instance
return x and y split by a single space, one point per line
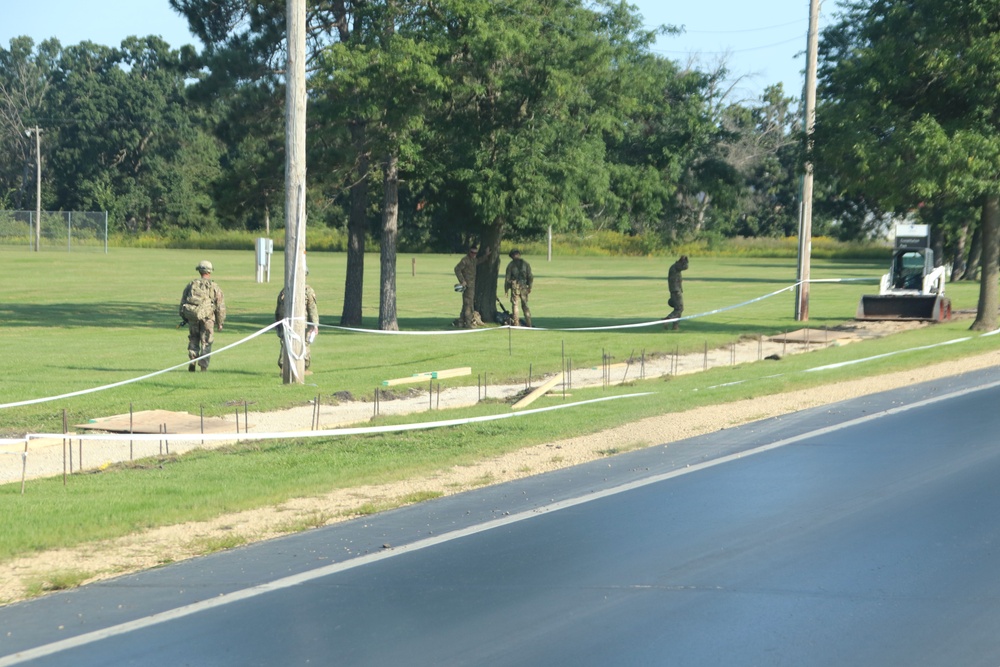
909 114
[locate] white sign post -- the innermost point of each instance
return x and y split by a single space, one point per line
265 247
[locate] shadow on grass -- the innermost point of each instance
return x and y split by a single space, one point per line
119 314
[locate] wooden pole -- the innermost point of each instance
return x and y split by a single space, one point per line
38 185
293 369
805 209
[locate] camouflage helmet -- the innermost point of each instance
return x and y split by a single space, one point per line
514 253
204 266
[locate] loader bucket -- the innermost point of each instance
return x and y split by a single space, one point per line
932 307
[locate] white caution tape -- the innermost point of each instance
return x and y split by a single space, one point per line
326 433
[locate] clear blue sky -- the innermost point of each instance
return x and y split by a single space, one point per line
763 42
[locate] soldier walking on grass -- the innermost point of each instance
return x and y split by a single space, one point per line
675 284
518 280
203 308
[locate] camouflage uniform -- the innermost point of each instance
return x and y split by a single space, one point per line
465 271
201 331
676 287
312 322
518 280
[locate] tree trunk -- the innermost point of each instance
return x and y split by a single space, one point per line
488 271
958 266
986 312
390 220
975 251
356 226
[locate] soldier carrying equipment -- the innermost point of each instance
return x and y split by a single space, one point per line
203 308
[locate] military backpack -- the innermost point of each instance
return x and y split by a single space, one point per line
198 305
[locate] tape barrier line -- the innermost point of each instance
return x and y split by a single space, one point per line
612 327
844 364
637 325
863 360
327 433
92 390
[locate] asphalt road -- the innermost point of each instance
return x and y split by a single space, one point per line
865 533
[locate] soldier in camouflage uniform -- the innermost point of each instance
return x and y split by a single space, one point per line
312 323
465 271
518 280
676 287
203 307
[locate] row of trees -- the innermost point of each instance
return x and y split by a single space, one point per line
430 124
434 123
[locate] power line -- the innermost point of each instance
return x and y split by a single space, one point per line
728 32
746 50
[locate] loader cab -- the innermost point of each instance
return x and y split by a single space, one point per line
909 266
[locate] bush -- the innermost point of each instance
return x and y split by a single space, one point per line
600 243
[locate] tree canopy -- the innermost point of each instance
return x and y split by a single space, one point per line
911 113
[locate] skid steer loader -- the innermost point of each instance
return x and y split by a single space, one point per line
914 288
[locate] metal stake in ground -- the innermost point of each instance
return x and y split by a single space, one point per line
65 429
130 431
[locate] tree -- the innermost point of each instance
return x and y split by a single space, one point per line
25 82
535 90
128 140
911 112
762 146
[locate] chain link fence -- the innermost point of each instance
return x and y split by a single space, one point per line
72 231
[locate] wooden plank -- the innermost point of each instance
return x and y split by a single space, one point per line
534 395
452 373
429 375
410 380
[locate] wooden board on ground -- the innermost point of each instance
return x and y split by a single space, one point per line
813 336
152 421
537 393
429 375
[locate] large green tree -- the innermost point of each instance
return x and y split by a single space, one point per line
536 91
128 140
910 112
25 82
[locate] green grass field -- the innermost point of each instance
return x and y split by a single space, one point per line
72 322
77 321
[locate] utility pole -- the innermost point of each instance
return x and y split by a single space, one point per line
805 210
38 184
293 368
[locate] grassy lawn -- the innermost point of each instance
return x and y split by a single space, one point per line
77 321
